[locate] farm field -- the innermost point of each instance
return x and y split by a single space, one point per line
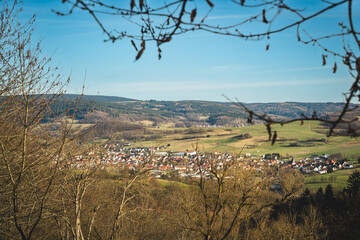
294 140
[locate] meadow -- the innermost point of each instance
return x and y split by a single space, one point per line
294 140
336 179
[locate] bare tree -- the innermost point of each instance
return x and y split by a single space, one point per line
160 22
28 152
72 187
288 226
223 199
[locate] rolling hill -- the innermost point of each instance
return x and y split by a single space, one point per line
182 113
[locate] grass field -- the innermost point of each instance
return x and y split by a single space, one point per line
293 140
336 179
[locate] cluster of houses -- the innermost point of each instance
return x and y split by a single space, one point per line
221 125
163 164
319 164
209 126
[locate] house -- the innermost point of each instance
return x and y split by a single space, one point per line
348 165
161 153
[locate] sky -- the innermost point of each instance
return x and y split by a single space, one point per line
194 66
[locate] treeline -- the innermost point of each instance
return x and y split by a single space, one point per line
108 128
296 109
347 129
114 130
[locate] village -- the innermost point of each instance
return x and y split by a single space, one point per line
163 164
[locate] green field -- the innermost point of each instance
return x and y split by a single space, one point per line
336 179
293 140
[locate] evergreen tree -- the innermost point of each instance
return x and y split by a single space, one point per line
329 195
319 197
353 184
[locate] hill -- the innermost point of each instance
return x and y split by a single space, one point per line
97 98
182 113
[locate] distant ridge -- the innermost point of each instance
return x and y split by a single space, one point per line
97 108
104 98
98 98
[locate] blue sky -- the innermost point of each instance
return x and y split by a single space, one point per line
198 66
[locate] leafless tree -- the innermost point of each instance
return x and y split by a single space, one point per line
69 210
224 198
287 226
28 152
160 22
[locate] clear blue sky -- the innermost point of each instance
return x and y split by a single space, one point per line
197 65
